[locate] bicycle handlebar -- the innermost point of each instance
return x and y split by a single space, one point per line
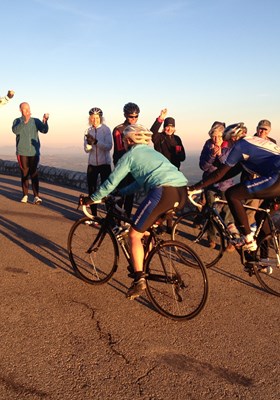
112 200
192 194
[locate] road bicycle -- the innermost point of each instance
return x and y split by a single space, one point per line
193 228
176 279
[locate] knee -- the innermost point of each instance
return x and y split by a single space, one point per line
25 174
134 236
34 174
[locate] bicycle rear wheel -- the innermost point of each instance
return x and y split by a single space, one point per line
192 229
92 250
177 283
267 267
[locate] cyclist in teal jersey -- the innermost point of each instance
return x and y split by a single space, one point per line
164 184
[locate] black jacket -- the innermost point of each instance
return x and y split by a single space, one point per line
169 145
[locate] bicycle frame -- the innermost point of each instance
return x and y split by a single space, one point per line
213 210
173 271
114 212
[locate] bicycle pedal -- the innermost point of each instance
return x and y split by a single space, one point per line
249 270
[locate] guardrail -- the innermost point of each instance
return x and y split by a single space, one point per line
59 176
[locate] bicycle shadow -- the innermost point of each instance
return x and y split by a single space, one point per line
48 252
230 275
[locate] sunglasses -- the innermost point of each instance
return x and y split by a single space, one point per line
262 129
132 116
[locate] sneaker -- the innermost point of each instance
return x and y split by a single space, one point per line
37 200
24 199
250 246
247 246
136 289
264 268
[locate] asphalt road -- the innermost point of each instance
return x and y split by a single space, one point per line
64 339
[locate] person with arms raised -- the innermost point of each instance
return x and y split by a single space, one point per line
4 100
26 129
168 144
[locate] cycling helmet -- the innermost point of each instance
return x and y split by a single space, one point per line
138 134
96 110
131 108
236 131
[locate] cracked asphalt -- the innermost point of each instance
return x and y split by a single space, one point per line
64 339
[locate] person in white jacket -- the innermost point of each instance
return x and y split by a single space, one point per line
98 143
4 100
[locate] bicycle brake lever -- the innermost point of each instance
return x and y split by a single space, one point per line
80 201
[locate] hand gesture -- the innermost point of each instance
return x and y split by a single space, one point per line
163 113
45 117
216 150
10 94
90 139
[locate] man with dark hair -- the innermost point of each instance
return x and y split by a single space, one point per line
131 112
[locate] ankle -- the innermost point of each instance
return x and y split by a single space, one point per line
138 275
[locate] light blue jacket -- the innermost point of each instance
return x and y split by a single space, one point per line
148 167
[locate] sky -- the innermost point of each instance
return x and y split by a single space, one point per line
203 60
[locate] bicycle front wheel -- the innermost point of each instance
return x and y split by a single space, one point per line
92 250
192 228
267 267
177 283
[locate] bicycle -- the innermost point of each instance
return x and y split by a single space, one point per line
176 279
192 228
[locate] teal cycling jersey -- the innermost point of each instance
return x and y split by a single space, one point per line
148 167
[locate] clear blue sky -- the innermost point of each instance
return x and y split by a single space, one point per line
204 60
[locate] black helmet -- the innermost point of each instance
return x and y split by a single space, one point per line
235 130
131 108
96 110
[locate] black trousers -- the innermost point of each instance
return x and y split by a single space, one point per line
93 173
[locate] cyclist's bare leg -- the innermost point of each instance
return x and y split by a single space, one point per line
137 250
137 257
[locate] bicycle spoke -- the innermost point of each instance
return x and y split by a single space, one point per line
177 289
92 251
192 229
267 267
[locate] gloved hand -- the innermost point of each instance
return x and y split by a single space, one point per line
85 200
90 139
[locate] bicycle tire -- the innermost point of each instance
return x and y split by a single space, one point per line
267 268
93 265
177 286
191 229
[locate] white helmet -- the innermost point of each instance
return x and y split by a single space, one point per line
138 134
235 131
